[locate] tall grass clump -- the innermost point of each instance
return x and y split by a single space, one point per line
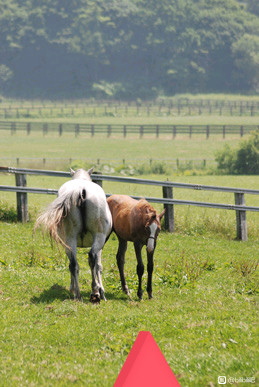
7 212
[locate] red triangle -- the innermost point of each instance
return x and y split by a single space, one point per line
146 366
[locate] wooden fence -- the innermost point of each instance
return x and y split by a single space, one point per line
22 190
61 162
124 130
158 108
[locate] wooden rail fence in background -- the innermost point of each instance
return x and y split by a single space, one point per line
167 190
175 163
159 108
124 130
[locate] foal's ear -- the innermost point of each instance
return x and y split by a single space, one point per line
90 171
72 172
162 214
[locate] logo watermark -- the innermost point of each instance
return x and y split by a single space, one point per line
222 380
231 380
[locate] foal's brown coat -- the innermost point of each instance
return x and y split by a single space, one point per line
131 222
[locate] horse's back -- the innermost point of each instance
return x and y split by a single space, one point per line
125 215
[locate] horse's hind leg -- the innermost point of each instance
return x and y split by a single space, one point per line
120 262
140 267
74 271
96 268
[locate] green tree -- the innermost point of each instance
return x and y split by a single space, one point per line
243 160
246 59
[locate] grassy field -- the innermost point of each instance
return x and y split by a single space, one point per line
203 315
112 152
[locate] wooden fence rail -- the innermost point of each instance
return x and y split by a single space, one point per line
124 130
111 102
158 107
167 190
175 163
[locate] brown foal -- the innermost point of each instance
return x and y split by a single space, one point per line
138 222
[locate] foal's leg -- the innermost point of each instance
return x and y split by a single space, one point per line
74 269
150 266
140 267
120 262
96 267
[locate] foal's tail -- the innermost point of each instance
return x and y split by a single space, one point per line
52 219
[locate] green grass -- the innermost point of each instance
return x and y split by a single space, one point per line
57 151
203 315
217 96
205 119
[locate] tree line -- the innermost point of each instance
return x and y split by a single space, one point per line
127 49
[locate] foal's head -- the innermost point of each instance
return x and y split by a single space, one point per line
152 226
81 174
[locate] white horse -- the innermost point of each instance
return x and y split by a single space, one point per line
80 217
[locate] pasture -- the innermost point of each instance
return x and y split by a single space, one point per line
54 152
203 315
205 284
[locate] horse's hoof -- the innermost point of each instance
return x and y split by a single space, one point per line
150 296
95 299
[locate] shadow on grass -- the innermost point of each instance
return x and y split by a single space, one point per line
57 292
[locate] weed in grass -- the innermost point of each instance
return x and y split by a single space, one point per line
183 271
245 267
247 280
7 212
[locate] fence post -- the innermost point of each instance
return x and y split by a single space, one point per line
28 128
241 131
124 131
92 130
13 128
174 131
241 217
224 131
45 129
109 130
157 131
169 209
77 130
21 198
141 131
60 129
207 131
99 182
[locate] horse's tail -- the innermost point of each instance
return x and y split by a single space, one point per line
52 219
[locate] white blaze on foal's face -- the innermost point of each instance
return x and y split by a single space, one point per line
151 239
